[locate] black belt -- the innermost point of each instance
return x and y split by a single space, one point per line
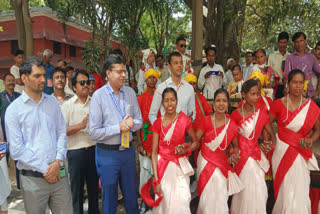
109 147
85 149
31 173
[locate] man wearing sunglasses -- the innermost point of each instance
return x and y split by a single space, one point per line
181 48
81 150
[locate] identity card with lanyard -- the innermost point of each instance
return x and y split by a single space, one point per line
124 135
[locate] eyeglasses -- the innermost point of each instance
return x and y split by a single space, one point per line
183 46
82 82
120 71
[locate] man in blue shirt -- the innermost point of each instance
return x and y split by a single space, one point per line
36 133
48 67
113 115
7 97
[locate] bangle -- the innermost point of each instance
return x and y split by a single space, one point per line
78 126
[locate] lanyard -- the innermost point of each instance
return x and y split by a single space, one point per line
117 104
9 99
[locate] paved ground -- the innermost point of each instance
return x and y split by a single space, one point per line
15 200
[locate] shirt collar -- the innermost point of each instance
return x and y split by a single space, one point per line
305 53
76 98
25 97
6 92
113 91
169 81
210 66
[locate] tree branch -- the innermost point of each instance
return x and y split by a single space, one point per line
254 10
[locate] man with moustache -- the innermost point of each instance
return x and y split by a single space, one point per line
7 97
81 150
37 134
58 77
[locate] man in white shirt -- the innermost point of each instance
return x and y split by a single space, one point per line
275 60
58 77
211 76
165 71
247 66
185 92
81 149
181 48
229 77
14 70
68 86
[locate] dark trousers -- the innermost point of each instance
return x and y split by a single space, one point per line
115 167
82 168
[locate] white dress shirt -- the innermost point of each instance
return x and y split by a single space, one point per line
14 70
74 111
186 99
228 77
246 71
211 84
275 61
68 90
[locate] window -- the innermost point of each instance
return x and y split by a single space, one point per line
56 48
14 46
72 51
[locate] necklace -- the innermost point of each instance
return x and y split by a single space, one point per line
215 131
289 100
162 127
254 122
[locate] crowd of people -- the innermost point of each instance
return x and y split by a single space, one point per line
211 136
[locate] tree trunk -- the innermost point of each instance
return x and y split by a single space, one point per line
17 5
24 25
197 33
28 28
223 27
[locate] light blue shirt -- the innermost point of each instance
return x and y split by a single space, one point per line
104 117
36 133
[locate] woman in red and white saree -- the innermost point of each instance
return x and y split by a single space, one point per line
216 178
253 164
298 128
170 159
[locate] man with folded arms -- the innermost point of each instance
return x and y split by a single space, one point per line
36 133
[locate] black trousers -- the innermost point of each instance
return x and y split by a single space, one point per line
82 168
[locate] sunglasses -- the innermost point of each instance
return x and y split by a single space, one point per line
183 46
82 82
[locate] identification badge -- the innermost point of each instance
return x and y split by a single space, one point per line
3 147
62 172
125 140
49 83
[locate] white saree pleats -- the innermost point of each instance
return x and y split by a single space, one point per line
293 196
215 194
175 190
253 199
